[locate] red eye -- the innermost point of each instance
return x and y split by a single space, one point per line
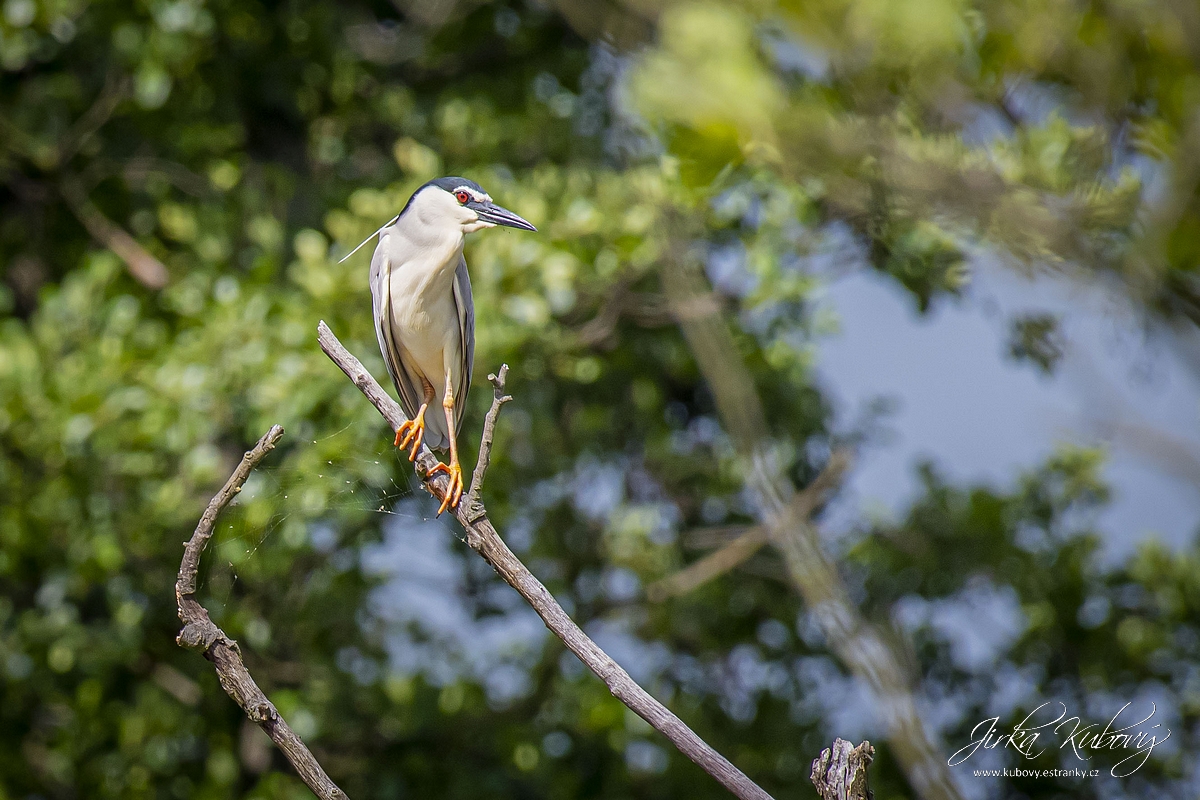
463 197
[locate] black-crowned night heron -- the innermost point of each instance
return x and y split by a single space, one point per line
424 314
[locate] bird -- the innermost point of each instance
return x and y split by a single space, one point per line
424 313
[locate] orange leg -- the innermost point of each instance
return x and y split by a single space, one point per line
454 469
412 432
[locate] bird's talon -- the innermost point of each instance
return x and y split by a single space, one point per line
455 488
411 433
416 445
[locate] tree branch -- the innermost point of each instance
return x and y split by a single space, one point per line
840 772
711 537
116 88
713 565
483 538
145 268
621 302
743 547
474 506
199 631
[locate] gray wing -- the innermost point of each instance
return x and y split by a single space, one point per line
381 296
465 305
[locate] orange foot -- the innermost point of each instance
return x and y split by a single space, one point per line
455 489
411 433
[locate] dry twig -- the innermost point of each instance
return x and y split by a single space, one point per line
499 398
200 632
483 538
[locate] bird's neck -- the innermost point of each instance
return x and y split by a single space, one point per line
422 231
431 252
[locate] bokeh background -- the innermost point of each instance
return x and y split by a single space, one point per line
954 242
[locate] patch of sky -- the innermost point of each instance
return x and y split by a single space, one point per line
727 270
979 623
436 627
793 55
1122 381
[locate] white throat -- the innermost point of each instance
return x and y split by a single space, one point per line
434 217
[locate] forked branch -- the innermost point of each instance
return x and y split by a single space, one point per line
484 539
200 632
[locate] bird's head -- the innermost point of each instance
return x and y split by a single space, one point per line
458 204
449 206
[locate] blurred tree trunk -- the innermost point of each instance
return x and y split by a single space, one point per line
815 576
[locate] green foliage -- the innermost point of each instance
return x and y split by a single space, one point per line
1087 630
1036 338
249 146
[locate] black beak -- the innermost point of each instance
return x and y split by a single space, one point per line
490 212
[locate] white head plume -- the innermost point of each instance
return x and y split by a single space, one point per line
369 238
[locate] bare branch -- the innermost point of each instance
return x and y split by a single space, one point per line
713 565
145 268
137 169
1126 426
840 772
116 89
383 402
18 141
474 506
710 537
483 538
647 310
601 327
743 547
199 631
140 168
